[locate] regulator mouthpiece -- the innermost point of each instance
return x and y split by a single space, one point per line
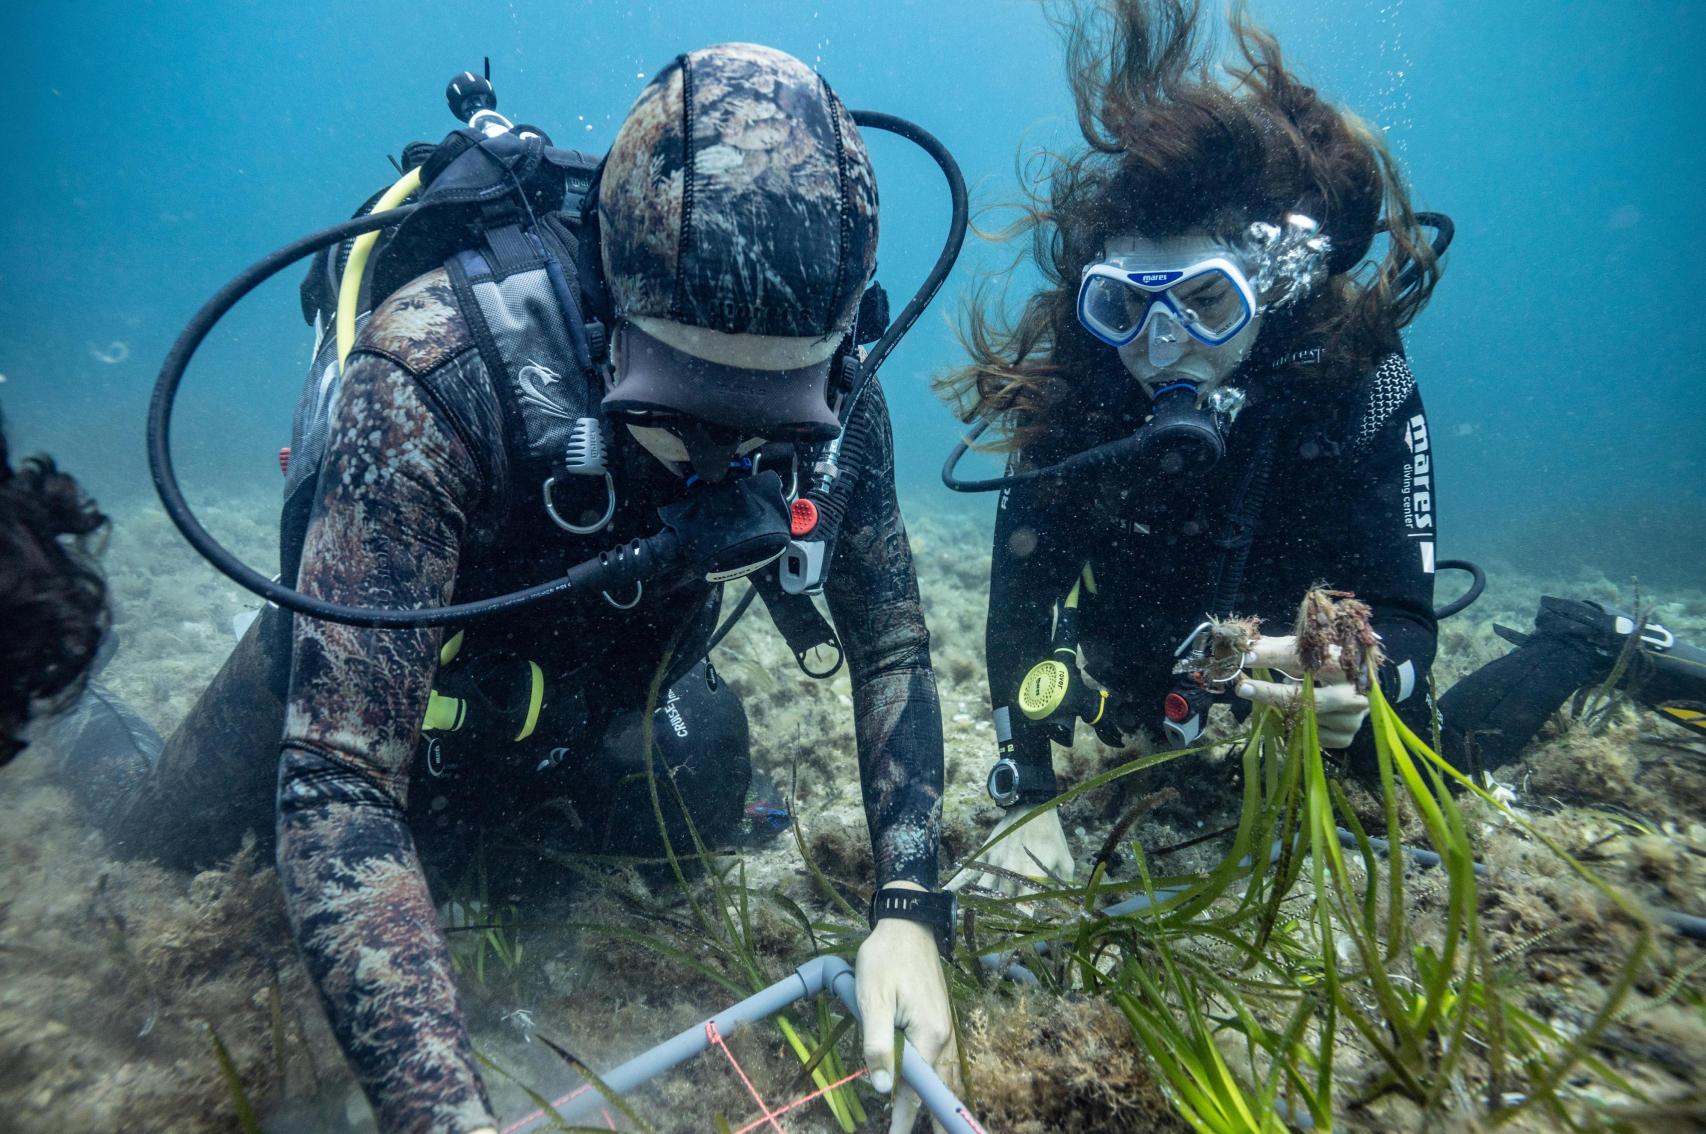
1184 437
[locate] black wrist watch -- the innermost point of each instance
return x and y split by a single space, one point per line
1009 784
938 909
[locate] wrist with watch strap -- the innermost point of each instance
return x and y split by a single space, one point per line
936 909
1020 777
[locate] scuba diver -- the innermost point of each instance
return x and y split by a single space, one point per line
538 385
1207 410
52 595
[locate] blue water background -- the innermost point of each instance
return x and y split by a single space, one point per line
160 147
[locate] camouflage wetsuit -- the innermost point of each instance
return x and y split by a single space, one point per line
416 506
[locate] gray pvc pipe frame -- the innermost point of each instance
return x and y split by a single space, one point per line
820 974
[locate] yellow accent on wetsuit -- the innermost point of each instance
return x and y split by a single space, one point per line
452 647
444 714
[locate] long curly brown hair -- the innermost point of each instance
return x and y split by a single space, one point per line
53 599
1177 141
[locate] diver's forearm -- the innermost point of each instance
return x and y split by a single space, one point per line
899 725
365 922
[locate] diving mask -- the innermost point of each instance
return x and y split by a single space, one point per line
1120 297
1189 306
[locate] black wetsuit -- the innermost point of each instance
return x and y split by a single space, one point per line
1348 500
414 506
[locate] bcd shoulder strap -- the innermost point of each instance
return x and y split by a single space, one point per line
543 354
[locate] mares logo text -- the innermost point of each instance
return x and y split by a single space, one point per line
1418 477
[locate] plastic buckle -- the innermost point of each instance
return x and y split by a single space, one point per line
1185 731
1652 633
802 567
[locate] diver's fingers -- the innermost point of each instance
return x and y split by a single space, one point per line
940 1051
947 1067
1268 692
878 1013
1332 698
1341 697
1279 652
984 883
905 1110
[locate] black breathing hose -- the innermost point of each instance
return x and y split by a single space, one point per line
618 567
1444 232
1477 584
921 298
1126 448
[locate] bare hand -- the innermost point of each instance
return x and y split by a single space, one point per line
899 977
1037 850
1339 708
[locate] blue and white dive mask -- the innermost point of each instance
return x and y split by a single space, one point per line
1122 296
1187 307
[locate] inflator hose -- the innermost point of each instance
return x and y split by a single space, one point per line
1444 232
1130 447
1477 584
921 298
355 268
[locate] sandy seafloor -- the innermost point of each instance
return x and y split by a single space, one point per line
111 971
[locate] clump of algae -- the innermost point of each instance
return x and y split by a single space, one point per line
1042 1065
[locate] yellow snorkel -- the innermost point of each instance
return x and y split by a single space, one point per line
349 287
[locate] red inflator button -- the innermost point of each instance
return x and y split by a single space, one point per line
1176 707
284 460
802 517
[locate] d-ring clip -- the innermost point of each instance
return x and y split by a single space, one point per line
577 529
639 592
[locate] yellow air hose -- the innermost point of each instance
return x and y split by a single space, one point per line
349 288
